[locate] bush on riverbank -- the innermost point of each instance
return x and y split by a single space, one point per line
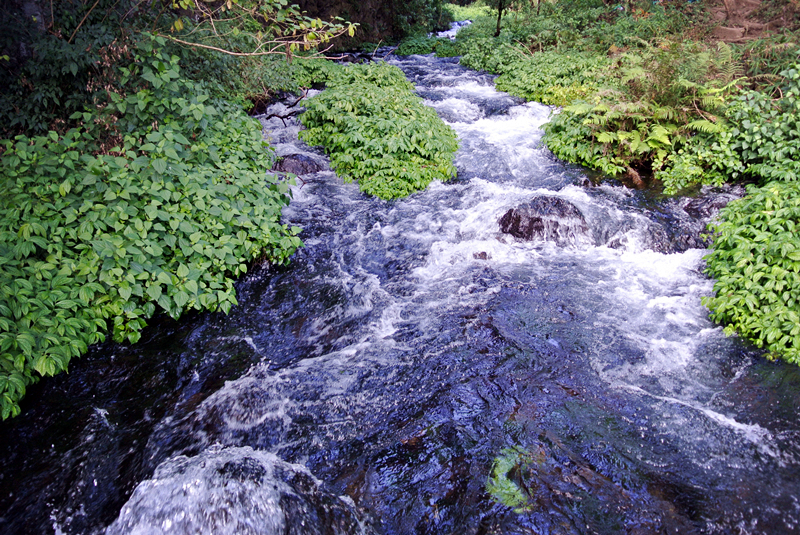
378 132
94 237
756 264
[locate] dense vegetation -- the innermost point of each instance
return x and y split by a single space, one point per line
377 131
133 181
652 99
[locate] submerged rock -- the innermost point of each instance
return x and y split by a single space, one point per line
546 218
234 491
298 164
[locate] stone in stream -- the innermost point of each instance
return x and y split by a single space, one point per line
546 218
298 164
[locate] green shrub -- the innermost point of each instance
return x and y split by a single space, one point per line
759 140
377 131
417 45
491 55
661 98
555 78
57 76
705 158
767 132
96 238
756 264
472 11
446 48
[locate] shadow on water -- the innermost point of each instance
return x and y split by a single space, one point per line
415 370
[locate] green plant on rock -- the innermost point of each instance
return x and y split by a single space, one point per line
377 131
505 483
96 239
756 264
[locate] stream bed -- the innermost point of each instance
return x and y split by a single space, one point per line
415 370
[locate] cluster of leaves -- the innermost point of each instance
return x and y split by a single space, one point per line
420 45
52 74
377 131
95 240
756 264
491 55
472 11
555 78
756 249
764 59
760 140
418 17
258 27
503 486
662 97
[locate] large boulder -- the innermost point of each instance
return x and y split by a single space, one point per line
547 218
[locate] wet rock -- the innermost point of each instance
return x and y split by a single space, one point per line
235 491
298 164
686 219
546 218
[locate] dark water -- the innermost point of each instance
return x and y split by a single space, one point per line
416 371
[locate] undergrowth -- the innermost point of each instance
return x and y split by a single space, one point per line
377 131
96 240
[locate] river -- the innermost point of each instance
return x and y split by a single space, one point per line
415 370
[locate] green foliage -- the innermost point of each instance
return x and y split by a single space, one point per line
756 263
506 484
663 96
767 132
705 158
760 140
377 131
764 59
95 239
417 45
472 11
419 17
491 55
555 78
443 48
63 68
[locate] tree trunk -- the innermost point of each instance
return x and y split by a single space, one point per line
499 16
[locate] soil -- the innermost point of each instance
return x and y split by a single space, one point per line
745 20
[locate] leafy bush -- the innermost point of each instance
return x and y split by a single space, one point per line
417 45
472 11
491 55
95 238
756 262
62 69
767 132
761 140
377 131
662 97
705 158
555 78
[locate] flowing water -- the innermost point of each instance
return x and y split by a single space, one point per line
415 370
